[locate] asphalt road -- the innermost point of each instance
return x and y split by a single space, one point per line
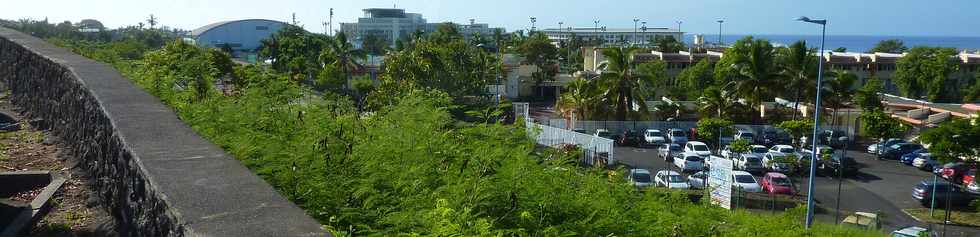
880 186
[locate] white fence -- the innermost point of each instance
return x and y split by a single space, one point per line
596 150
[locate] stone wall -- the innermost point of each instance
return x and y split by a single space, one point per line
156 175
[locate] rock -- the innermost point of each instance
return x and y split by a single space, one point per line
92 201
50 140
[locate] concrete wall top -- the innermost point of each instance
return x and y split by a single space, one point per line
206 192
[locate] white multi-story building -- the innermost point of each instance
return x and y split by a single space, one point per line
392 24
642 35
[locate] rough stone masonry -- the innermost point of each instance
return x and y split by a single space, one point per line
156 176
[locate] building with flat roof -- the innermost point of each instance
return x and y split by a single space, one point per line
392 24
641 35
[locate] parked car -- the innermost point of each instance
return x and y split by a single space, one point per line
834 138
969 176
628 138
896 151
874 148
745 182
640 178
654 137
925 162
922 192
749 162
777 183
670 179
774 161
914 231
670 151
821 149
603 133
758 150
772 137
955 171
838 164
785 149
908 158
698 147
973 188
745 135
677 136
692 162
697 180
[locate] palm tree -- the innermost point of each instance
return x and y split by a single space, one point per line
839 90
578 100
621 81
342 54
798 65
715 101
755 77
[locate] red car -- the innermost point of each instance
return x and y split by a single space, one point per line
969 176
777 183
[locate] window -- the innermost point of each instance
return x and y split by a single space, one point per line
261 28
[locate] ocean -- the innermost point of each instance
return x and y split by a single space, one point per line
855 43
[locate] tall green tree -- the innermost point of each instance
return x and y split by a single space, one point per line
876 124
538 51
374 45
839 90
711 129
628 86
342 55
798 67
957 140
889 46
697 78
715 102
796 128
754 76
926 71
669 44
580 99
867 97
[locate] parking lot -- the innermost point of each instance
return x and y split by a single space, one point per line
882 186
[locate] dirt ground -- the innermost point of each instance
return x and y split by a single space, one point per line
74 211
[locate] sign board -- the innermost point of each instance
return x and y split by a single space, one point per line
720 182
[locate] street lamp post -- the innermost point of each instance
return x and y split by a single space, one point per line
816 120
635 21
719 32
533 20
595 31
679 25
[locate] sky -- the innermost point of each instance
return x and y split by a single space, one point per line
846 17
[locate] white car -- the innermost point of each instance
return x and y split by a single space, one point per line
758 150
670 179
690 162
667 151
745 135
925 162
697 147
697 180
785 149
640 178
820 150
914 231
745 181
677 136
748 162
654 136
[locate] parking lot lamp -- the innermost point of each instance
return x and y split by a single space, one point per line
816 120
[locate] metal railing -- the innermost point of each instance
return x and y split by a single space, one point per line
595 150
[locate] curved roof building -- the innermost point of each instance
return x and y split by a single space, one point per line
240 35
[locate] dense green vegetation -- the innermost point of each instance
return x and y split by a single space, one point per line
407 164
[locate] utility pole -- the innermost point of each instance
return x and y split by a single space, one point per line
533 20
635 21
294 19
331 22
595 31
719 32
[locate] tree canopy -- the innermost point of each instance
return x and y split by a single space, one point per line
925 72
895 46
